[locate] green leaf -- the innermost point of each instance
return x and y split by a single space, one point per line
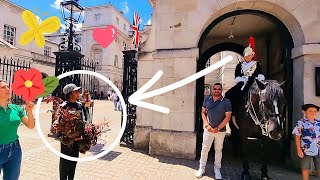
50 84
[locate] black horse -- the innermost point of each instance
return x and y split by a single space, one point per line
260 115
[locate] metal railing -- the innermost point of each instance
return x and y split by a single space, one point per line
8 66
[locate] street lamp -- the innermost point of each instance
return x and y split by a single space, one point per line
72 13
69 57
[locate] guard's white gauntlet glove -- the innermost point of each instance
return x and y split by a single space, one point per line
260 77
241 79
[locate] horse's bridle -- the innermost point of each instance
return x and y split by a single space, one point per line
263 122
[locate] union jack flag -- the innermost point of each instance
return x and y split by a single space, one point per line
135 28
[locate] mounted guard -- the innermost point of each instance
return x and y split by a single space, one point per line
245 73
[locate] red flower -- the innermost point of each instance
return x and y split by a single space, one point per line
28 84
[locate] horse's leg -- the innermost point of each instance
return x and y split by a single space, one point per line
244 144
264 167
235 140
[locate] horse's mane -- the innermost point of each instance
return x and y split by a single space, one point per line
273 90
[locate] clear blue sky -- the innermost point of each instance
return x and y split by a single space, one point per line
127 6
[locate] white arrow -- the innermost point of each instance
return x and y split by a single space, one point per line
137 97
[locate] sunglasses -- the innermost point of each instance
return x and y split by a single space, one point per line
216 89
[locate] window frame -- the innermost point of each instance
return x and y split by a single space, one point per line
116 60
47 51
117 20
7 37
97 16
208 63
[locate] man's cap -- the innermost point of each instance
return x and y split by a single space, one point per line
69 88
307 106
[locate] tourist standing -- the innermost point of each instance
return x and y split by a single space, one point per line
307 139
86 100
67 168
11 117
115 100
216 113
109 95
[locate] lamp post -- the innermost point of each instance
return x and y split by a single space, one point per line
69 58
72 13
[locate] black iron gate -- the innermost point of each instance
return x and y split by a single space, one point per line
129 87
87 81
7 69
69 61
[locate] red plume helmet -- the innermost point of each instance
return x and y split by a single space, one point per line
251 43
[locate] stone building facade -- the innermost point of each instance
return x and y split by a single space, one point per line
11 28
108 61
287 46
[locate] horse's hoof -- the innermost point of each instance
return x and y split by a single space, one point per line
245 176
265 177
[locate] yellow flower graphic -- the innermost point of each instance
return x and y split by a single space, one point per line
36 31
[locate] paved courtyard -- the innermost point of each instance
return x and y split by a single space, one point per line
122 163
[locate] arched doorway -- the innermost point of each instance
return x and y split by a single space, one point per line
274 43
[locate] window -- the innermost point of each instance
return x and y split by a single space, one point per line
117 39
97 59
124 27
97 16
9 34
124 45
117 20
115 63
47 51
208 63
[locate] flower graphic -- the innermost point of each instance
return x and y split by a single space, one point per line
36 31
28 84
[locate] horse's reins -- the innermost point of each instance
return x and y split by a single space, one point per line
263 123
254 117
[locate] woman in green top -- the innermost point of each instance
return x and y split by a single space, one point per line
11 116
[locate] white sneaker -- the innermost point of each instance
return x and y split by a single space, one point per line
217 173
200 172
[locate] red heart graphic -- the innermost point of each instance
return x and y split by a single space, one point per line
106 36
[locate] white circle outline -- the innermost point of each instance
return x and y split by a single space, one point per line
115 142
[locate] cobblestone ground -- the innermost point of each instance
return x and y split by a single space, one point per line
122 163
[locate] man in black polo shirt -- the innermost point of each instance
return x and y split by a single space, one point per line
67 168
216 113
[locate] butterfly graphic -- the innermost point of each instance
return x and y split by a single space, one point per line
36 29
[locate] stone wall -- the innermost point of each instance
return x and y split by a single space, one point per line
173 49
179 122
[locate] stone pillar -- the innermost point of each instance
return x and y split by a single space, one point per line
305 59
168 134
